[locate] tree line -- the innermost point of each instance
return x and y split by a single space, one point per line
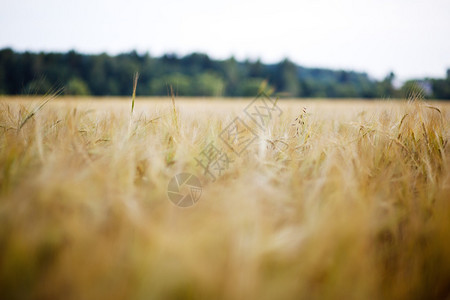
195 74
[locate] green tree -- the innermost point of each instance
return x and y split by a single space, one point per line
209 84
385 88
38 87
77 86
181 85
411 89
251 87
286 78
441 87
232 75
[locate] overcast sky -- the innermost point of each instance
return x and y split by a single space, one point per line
409 37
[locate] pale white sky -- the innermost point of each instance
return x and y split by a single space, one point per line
410 37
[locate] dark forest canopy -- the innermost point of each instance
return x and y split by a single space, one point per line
195 74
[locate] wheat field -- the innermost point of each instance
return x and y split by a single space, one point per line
331 200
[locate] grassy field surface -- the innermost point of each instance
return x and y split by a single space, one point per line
328 200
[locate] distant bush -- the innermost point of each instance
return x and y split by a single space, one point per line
209 84
78 87
181 85
37 87
252 87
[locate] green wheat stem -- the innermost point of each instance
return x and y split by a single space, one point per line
136 77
